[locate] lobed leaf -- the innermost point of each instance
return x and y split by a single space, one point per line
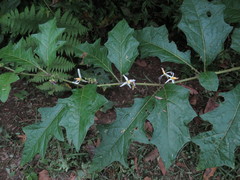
18 55
236 40
5 80
170 117
82 106
209 80
117 137
38 135
47 41
204 26
122 46
218 145
75 114
95 55
154 42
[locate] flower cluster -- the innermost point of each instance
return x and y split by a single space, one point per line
169 75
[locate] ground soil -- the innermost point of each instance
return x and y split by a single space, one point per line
17 113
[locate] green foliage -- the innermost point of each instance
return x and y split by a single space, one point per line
204 28
168 109
18 55
23 22
218 145
43 60
93 57
209 80
75 114
5 80
8 5
154 42
47 44
116 138
122 47
236 40
232 11
170 119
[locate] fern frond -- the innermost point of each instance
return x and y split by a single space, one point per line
24 22
51 88
39 78
71 24
60 75
61 65
68 47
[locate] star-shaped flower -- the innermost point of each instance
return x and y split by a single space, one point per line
169 75
130 82
79 79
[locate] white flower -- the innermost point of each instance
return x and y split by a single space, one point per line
168 75
79 79
129 82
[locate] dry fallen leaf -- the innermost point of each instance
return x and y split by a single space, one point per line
192 90
43 175
193 100
147 178
148 127
161 166
151 156
211 105
209 172
22 138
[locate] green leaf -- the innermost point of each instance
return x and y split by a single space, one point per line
232 11
218 145
5 80
122 47
154 42
94 54
47 41
75 113
117 137
205 29
236 40
170 117
82 106
209 80
38 135
17 54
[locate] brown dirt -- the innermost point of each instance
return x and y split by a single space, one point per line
16 113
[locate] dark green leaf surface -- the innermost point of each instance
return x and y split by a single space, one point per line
218 145
236 40
169 118
209 80
75 113
38 135
204 26
122 46
232 11
117 137
95 55
82 106
47 41
154 42
18 55
5 80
